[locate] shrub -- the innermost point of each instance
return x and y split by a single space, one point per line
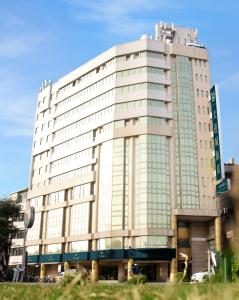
179 276
215 278
73 279
138 279
235 269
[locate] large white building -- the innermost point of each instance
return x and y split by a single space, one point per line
122 162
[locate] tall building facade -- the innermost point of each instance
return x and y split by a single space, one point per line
122 162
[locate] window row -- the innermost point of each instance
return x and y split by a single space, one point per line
79 140
204 126
96 86
203 78
86 76
76 98
205 144
202 93
84 121
206 163
203 110
118 106
140 86
140 70
71 174
78 156
140 54
200 63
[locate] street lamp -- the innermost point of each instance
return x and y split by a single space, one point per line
29 219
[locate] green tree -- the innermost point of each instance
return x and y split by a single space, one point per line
9 211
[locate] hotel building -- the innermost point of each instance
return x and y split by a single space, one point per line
122 164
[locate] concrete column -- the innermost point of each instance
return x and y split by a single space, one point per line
44 225
121 272
173 266
95 271
173 270
218 234
130 263
66 224
42 271
66 265
94 216
131 189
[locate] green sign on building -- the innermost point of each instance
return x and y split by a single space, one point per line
216 134
222 187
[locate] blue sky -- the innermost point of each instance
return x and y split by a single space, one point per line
44 39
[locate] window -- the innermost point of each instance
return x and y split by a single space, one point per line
54 223
16 251
79 246
37 201
34 232
81 191
53 248
56 197
79 219
33 250
197 92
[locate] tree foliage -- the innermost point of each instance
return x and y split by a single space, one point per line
9 211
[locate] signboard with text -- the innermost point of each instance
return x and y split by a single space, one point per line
222 187
214 100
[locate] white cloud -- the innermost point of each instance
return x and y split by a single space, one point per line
120 16
19 45
17 104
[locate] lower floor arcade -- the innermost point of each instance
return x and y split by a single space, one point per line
106 265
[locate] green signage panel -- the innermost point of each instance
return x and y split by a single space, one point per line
50 258
216 134
75 256
144 253
32 259
222 187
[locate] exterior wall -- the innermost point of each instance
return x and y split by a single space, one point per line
17 242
